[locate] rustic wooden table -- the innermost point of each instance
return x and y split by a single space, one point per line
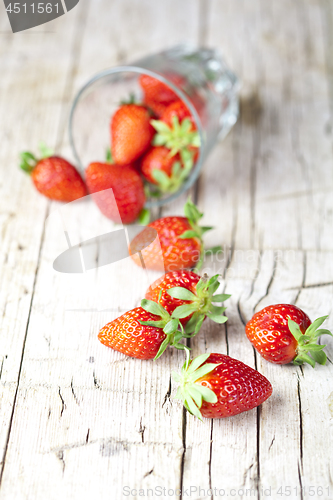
81 421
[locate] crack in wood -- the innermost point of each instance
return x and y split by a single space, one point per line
4 308
270 446
300 481
96 384
226 337
2 363
63 405
314 285
230 256
258 450
48 341
270 281
148 473
74 394
167 397
5 224
246 474
300 420
210 457
182 462
87 436
240 314
142 430
60 456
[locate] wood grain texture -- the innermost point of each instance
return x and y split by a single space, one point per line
28 96
79 420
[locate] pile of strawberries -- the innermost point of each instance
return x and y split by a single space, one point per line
154 146
163 152
175 307
212 385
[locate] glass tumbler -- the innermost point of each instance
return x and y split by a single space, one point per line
198 76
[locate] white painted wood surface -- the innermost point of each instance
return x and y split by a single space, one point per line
81 421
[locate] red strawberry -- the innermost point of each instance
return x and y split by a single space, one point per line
168 172
188 297
131 133
179 244
217 386
180 110
157 158
127 188
158 108
157 91
54 176
144 332
283 333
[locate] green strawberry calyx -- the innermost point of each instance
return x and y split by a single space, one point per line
201 304
28 161
178 137
308 350
179 173
193 216
131 99
109 156
168 324
191 393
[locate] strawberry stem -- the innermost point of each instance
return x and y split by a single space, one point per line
201 304
29 161
108 156
168 324
45 151
144 217
191 393
308 350
177 137
180 172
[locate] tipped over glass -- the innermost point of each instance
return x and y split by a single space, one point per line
203 82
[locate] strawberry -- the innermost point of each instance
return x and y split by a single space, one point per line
144 332
127 189
53 176
180 110
188 297
157 91
283 333
157 158
158 108
217 386
168 172
179 244
131 133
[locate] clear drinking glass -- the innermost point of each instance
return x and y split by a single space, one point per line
204 83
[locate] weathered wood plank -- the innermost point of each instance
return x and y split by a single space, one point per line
276 169
63 378
34 77
255 207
